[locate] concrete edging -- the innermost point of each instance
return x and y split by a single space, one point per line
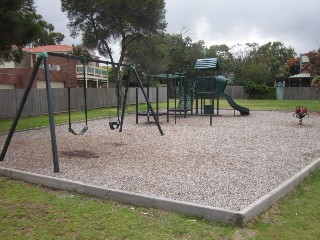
207 212
266 201
238 218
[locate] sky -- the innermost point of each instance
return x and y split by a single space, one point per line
292 22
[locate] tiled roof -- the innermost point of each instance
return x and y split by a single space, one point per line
49 48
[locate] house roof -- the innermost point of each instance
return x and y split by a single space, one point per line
49 48
301 75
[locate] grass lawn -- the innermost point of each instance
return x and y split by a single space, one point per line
32 212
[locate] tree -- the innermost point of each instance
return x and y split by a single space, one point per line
271 57
80 50
47 36
274 55
241 55
256 72
103 23
18 28
149 54
225 57
20 25
314 61
294 66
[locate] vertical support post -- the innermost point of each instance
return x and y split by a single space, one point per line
168 101
124 101
211 108
146 98
217 93
148 95
21 106
184 98
85 86
51 117
175 101
137 106
157 102
69 109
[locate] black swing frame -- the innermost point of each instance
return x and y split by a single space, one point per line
44 57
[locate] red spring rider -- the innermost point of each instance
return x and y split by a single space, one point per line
300 113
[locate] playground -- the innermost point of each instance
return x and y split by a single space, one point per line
228 165
195 158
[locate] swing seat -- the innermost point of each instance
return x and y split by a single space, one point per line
114 125
83 131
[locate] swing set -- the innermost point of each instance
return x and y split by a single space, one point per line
43 57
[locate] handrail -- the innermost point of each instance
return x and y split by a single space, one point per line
90 70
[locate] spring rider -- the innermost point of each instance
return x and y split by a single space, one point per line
300 113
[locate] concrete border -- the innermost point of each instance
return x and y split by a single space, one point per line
266 201
207 212
238 218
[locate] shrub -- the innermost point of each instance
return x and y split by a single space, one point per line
316 83
259 90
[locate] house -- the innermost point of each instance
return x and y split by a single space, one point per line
63 72
303 79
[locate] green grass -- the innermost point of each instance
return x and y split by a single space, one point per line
27 122
33 212
296 216
40 121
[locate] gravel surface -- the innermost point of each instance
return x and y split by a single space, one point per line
227 165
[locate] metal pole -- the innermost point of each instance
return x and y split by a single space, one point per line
168 103
146 98
85 91
148 95
137 106
19 111
124 102
175 101
157 102
51 117
69 108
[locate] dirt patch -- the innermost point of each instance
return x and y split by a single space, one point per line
78 154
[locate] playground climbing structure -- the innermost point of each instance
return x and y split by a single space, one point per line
211 86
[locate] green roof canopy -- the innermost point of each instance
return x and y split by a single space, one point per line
207 63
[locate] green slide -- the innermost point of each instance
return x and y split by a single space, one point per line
242 110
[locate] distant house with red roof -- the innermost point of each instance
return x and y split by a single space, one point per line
63 72
303 79
50 48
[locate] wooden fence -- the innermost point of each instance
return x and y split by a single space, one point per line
36 103
97 98
290 93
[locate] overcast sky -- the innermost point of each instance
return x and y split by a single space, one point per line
292 22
